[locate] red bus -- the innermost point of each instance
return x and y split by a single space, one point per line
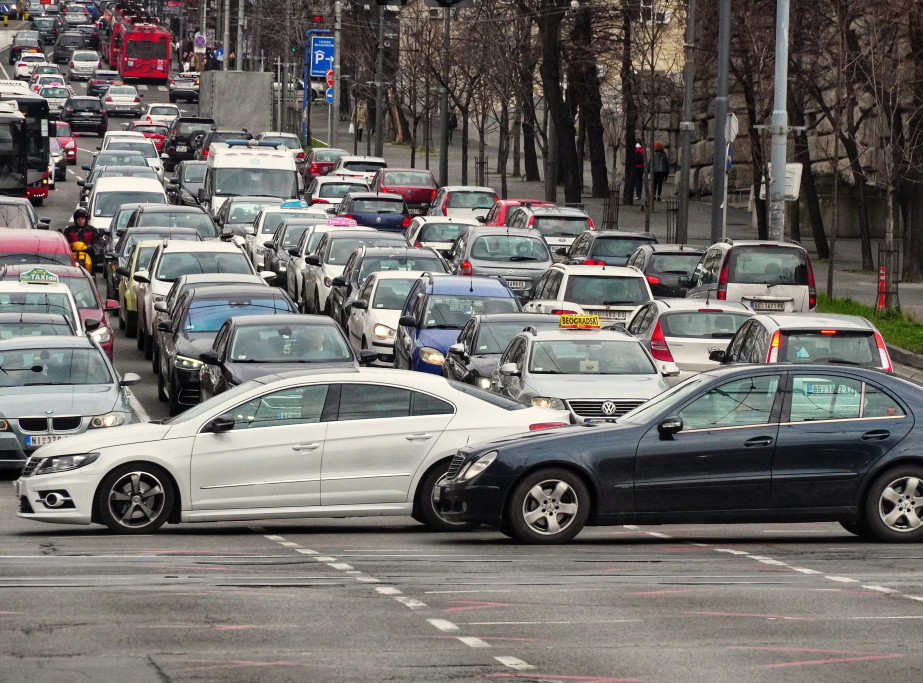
140 51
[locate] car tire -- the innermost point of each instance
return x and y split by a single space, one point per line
893 508
120 496
854 528
534 514
148 346
131 324
161 388
155 360
139 339
121 321
424 508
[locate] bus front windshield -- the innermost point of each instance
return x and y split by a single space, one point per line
256 181
12 160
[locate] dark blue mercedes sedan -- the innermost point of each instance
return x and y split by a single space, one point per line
782 443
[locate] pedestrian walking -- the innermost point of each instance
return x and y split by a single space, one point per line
661 169
362 120
453 124
638 166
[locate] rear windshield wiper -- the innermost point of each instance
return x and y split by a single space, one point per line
523 258
618 302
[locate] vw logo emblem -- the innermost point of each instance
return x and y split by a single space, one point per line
608 408
378 219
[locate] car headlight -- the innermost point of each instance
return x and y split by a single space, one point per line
382 332
101 335
70 145
64 463
186 363
113 419
432 356
475 467
482 382
548 402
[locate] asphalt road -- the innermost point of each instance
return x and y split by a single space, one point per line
383 599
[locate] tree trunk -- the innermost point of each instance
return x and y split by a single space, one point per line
463 112
527 107
855 167
517 141
627 74
808 189
503 152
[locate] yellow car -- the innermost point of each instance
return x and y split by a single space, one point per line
139 259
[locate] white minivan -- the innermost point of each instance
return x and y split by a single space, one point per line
247 168
109 194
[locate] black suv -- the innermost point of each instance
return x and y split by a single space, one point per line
91 33
178 143
85 114
201 152
25 41
605 247
68 42
47 28
100 81
664 264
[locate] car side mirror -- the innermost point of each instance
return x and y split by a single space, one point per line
269 244
407 321
123 271
268 275
161 307
129 378
81 183
85 167
142 277
200 195
685 281
222 423
669 369
561 251
458 349
312 260
481 219
90 324
509 369
332 211
209 357
717 355
163 326
44 221
171 181
367 357
339 281
670 426
112 305
293 251
360 305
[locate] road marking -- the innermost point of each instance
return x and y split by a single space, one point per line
412 603
805 571
87 151
136 407
142 87
880 589
841 579
388 590
326 559
443 624
305 551
342 566
471 641
162 88
514 663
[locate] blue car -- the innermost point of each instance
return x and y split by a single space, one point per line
380 210
435 311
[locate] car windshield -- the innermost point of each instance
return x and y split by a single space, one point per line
618 246
292 234
8 330
407 179
768 265
287 343
197 220
673 264
33 367
246 210
471 200
82 290
561 226
37 302
599 290
701 324
194 173
363 166
378 205
339 190
186 127
440 232
132 237
342 247
145 147
125 171
589 357
444 311
185 263
817 346
328 154
414 262
63 130
509 248
390 295
149 128
144 257
164 111
494 337
208 315
56 93
107 203
288 143
252 181
272 221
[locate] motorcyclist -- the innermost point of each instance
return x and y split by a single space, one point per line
80 230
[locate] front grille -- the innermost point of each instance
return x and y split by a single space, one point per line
65 424
594 408
31 464
455 465
33 424
189 396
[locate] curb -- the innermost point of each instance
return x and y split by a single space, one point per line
905 357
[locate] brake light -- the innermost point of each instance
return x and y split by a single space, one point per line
710 310
137 100
148 118
465 268
653 279
774 343
318 201
828 331
108 99
405 222
314 169
99 65
883 353
538 426
593 262
531 221
299 156
418 244
562 311
384 189
172 82
812 290
72 65
69 110
659 348
723 278
348 215
590 223
204 153
433 195
445 205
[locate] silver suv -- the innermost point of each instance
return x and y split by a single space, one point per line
764 276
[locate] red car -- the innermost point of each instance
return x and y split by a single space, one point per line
417 186
38 247
155 132
83 286
65 136
321 160
498 212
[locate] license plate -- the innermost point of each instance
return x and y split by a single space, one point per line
182 148
36 441
614 315
86 113
516 284
768 306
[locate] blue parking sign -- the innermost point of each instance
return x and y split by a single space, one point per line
321 55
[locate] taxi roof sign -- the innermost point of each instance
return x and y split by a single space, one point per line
579 322
294 204
342 220
38 276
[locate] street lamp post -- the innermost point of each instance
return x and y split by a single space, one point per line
379 85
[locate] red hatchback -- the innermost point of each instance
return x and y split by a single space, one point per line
42 247
416 186
320 160
153 131
62 131
83 287
501 209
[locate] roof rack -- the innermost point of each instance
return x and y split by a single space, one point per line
252 143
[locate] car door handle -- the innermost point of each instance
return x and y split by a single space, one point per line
876 435
305 446
417 437
758 441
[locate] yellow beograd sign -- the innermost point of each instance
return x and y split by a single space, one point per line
579 322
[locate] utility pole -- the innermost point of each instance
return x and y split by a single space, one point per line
719 160
239 49
202 6
686 128
379 85
334 106
779 127
227 34
444 114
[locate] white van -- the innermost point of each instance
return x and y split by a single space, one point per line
248 168
109 194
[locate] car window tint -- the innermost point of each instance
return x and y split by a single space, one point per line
830 345
830 397
701 324
294 405
424 404
737 403
878 403
372 401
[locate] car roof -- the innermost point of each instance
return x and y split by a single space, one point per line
212 246
284 319
349 232
77 341
21 201
468 188
194 278
465 284
408 378
150 207
224 291
810 321
545 333
461 220
396 275
673 248
159 231
38 240
377 249
127 184
616 234
605 271
351 157
516 317
729 243
480 229
340 179
374 195
555 211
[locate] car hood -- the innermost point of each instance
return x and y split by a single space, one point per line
438 339
191 345
95 439
80 399
590 386
244 372
484 364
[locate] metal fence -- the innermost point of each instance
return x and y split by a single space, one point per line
611 204
672 211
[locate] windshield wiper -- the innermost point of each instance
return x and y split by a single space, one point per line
839 361
442 327
523 258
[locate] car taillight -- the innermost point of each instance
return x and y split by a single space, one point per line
773 354
314 169
299 156
204 153
318 201
590 223
723 278
445 204
465 268
148 119
99 65
418 244
405 222
531 221
172 82
68 110
659 348
538 426
812 290
108 99
653 279
883 354
102 112
72 65
562 311
433 195
138 100
348 215
21 64
593 262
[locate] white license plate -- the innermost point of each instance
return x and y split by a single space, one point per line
516 284
613 315
36 441
86 113
182 148
768 306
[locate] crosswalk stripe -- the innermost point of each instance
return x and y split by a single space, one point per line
162 88
142 87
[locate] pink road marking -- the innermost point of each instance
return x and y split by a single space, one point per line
244 627
862 656
7 613
576 679
670 592
684 549
840 590
831 661
474 604
755 616
174 568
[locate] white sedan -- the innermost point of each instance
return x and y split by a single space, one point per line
341 443
27 61
373 316
162 114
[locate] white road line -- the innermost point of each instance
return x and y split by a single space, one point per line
773 562
87 151
162 88
136 407
914 597
368 579
841 579
471 641
880 589
341 566
443 624
142 87
514 663
412 603
730 551
805 571
305 551
274 539
326 559
288 544
657 534
388 590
